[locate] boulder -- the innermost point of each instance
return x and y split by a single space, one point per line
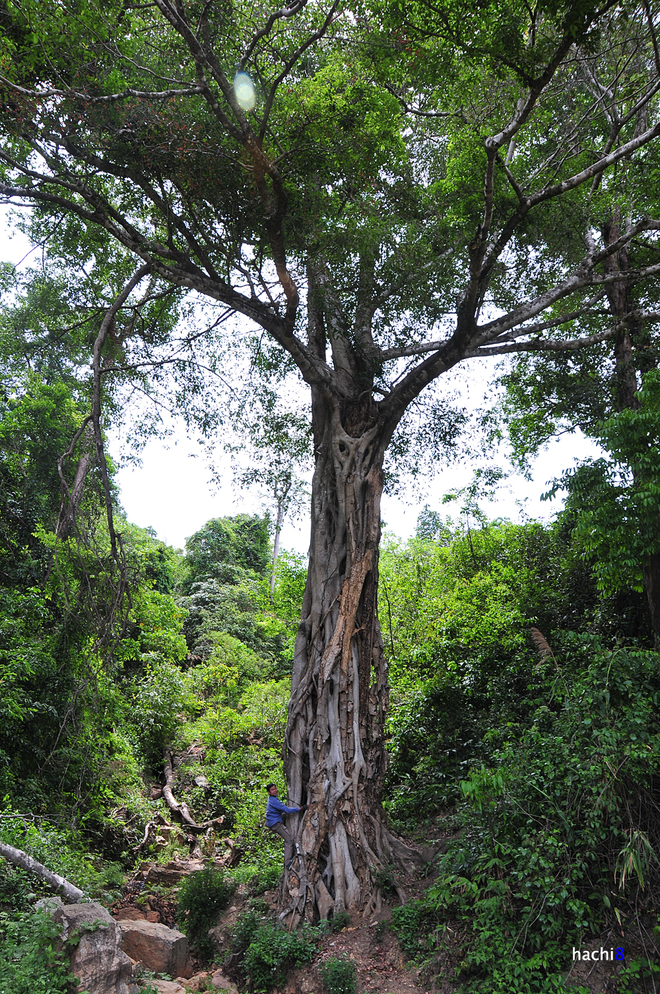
223 983
174 872
194 984
168 987
157 947
97 960
129 915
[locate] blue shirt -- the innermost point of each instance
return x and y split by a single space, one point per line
275 809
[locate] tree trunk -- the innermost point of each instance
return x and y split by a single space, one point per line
651 572
69 891
276 547
626 385
335 756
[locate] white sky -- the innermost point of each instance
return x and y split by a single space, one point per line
171 490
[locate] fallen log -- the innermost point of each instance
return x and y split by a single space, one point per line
180 807
19 858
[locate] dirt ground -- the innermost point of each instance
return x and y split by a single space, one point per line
379 962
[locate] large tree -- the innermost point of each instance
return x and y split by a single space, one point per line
384 191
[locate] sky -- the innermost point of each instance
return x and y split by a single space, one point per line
172 493
171 490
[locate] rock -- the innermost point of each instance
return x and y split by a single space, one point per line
97 960
128 915
157 947
218 938
173 873
167 986
152 916
223 983
194 984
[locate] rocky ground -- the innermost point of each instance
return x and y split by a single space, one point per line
371 945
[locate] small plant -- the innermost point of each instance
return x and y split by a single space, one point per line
384 878
202 896
339 975
340 920
264 879
246 926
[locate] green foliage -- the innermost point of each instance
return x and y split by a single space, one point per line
202 896
558 830
31 958
37 423
63 851
615 499
225 548
340 920
339 975
159 699
270 951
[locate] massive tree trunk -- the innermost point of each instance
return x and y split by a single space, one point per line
335 756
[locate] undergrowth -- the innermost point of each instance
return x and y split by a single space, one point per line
559 832
339 975
266 951
202 896
31 962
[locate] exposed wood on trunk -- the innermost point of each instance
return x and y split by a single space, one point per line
19 858
72 497
276 547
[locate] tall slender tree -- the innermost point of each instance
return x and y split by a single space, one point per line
385 192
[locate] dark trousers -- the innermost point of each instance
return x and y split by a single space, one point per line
280 828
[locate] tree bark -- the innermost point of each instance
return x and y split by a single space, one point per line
19 858
651 573
335 757
276 547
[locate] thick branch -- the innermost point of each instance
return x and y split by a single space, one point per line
19 858
86 98
106 325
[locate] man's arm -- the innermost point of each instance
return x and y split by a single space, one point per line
277 804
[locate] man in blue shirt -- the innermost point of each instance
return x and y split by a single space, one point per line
274 811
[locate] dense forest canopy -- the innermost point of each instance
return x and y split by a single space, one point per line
383 192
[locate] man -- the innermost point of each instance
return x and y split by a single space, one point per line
274 812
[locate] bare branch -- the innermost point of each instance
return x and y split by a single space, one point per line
86 98
291 11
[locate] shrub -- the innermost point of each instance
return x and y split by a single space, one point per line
340 920
266 950
202 896
272 952
339 975
30 962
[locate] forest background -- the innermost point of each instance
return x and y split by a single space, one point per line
485 174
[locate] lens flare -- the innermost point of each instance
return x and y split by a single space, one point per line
244 91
